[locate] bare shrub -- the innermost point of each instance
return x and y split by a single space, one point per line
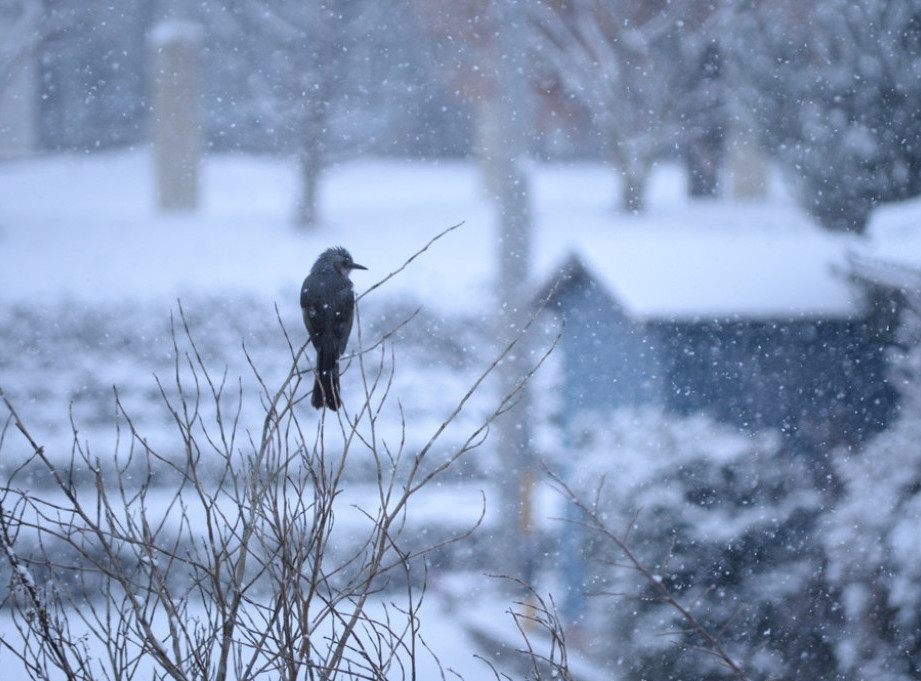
231 553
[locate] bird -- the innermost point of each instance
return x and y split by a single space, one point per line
328 306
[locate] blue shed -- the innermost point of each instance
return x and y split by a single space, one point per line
773 338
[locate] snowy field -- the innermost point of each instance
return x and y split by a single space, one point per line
90 274
83 228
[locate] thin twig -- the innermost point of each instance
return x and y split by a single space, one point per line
410 259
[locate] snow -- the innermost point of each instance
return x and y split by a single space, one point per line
88 229
82 232
85 228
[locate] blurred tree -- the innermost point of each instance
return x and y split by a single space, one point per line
485 55
833 88
94 74
468 57
19 22
308 68
20 33
93 60
640 68
703 117
505 156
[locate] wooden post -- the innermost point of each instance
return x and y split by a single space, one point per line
176 114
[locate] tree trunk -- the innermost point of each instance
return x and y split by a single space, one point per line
311 163
309 172
703 159
633 190
634 163
507 115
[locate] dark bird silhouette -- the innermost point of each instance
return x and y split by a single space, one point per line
328 305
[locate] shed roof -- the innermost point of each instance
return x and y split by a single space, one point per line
745 274
891 255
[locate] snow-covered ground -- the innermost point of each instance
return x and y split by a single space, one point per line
90 273
84 229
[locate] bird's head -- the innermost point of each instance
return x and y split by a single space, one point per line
341 260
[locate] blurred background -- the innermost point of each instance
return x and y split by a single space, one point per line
826 89
719 198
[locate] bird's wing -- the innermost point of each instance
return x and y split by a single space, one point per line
345 313
311 308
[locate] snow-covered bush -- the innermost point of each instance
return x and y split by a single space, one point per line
722 520
873 536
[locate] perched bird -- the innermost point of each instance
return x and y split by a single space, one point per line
328 305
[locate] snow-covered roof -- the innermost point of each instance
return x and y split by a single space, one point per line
721 274
891 256
886 272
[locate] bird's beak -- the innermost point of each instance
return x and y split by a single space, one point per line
358 267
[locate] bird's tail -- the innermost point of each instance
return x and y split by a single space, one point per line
326 385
